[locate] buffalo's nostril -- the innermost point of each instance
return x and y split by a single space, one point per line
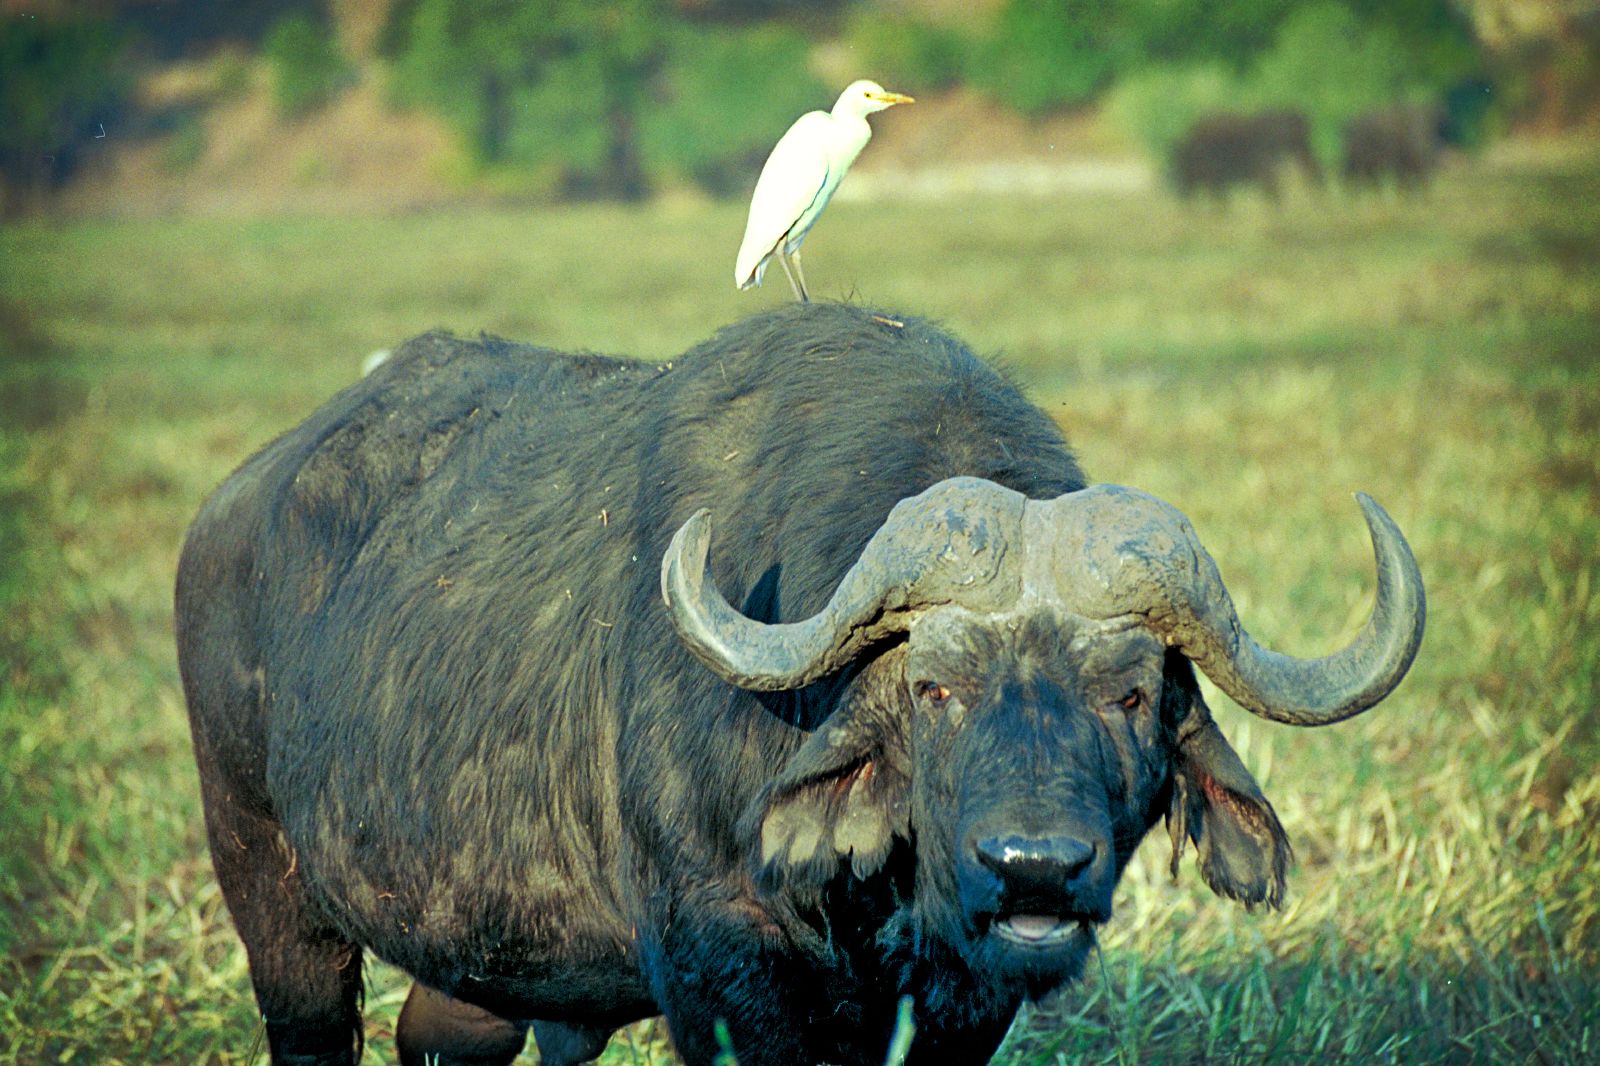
1030 865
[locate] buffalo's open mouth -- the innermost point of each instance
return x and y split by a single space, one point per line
1040 930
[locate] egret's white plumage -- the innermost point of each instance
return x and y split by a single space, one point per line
799 178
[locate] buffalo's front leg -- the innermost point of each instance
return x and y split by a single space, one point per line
775 991
709 981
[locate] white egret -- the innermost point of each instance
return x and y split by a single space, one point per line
799 178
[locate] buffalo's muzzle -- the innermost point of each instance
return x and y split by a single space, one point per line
1039 890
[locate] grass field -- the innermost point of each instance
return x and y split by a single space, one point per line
1253 365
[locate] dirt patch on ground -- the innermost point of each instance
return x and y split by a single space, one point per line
237 154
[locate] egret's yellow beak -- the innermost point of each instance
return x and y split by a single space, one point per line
892 98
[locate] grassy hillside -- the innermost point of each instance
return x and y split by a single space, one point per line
1253 365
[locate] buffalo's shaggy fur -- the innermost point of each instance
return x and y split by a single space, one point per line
441 713
1223 151
438 710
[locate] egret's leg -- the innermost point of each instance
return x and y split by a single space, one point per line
805 297
788 272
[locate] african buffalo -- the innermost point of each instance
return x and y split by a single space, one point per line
1222 151
464 694
1404 142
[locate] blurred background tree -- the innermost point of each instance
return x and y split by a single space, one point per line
1045 54
1162 32
172 29
63 81
308 67
554 86
704 124
901 48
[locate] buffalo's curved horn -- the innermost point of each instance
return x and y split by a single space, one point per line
1118 550
946 544
1336 686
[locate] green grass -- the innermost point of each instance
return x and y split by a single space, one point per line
1253 365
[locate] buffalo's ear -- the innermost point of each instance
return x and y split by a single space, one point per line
845 795
1244 852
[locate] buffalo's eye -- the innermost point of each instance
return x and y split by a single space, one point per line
932 691
1132 701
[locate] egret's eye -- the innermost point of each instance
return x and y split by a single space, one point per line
932 691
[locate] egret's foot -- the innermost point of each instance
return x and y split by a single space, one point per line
799 286
805 296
